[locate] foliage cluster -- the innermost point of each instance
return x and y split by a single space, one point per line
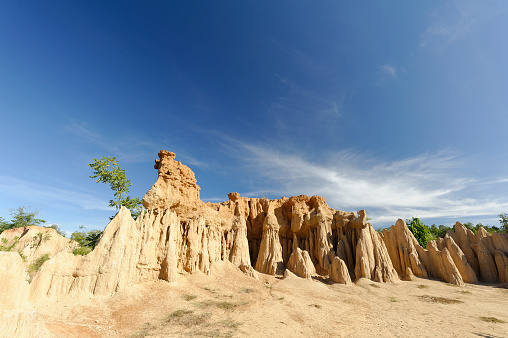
108 171
5 246
21 217
87 240
33 268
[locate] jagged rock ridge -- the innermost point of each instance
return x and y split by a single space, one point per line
178 234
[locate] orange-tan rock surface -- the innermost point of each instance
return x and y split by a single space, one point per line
33 242
179 234
460 257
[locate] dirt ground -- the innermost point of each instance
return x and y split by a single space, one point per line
230 304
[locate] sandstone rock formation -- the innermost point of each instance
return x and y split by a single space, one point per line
460 257
13 284
179 234
33 242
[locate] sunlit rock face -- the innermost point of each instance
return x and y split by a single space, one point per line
177 234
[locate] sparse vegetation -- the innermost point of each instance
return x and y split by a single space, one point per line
33 268
21 217
492 320
421 286
147 327
221 305
393 299
231 324
189 297
178 314
5 246
441 300
87 240
107 170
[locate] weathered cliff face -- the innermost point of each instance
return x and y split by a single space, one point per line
33 242
179 234
460 257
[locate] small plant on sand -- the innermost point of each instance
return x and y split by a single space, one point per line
441 300
230 324
143 332
375 286
228 306
492 320
421 286
187 318
178 314
189 297
393 299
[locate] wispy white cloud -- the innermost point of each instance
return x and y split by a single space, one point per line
13 188
388 70
299 107
130 147
386 73
427 186
449 22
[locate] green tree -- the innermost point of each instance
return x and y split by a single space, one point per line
21 217
107 170
86 240
57 228
503 219
419 230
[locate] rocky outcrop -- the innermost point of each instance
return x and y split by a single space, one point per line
460 257
300 264
179 234
13 284
33 242
339 272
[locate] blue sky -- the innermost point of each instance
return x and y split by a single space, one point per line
396 107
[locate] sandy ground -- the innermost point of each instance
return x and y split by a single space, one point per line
230 304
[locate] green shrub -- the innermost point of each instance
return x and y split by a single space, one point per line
419 230
33 268
81 251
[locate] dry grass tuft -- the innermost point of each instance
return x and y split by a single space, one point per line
393 299
189 297
186 318
492 320
375 286
441 300
421 286
221 305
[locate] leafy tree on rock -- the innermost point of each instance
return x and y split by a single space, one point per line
86 240
107 170
21 217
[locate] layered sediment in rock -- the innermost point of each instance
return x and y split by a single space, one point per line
179 234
